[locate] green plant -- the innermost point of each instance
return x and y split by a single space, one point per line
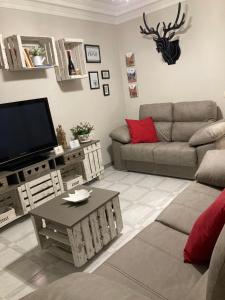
37 51
82 128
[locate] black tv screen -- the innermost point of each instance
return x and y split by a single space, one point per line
26 128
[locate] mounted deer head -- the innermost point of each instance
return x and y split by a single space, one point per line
170 49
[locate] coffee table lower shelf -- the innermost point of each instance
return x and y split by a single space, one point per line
85 239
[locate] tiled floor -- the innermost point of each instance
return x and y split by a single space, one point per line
23 267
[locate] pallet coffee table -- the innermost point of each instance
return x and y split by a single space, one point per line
77 232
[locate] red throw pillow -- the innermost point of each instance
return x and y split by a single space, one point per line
142 131
205 232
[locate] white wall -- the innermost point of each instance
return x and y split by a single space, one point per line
199 74
73 101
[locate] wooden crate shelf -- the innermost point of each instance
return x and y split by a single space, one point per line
76 48
16 44
3 58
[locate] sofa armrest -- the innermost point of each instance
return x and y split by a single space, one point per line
201 151
82 286
121 134
208 134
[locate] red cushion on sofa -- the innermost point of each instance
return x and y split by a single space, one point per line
142 131
205 232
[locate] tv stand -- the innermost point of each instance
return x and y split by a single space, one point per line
28 184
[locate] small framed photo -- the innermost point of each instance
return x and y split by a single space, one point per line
130 59
94 80
105 74
133 90
92 53
106 91
131 75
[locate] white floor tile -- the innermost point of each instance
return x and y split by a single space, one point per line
151 181
8 257
134 193
172 184
119 187
9 283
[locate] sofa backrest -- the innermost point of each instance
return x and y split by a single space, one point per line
188 117
178 121
216 273
162 114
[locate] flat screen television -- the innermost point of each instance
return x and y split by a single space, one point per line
26 129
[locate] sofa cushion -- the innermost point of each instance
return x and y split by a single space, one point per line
208 134
83 286
138 152
142 131
195 111
205 232
160 112
164 131
183 131
211 170
121 134
175 153
188 206
155 268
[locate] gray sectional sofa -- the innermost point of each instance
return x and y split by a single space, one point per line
173 155
151 265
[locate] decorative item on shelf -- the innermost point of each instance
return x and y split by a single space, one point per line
106 91
82 132
38 57
71 67
92 53
61 137
133 90
74 144
130 59
94 80
105 74
170 49
58 150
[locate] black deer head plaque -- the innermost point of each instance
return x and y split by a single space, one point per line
169 48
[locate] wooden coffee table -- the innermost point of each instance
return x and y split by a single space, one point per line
77 232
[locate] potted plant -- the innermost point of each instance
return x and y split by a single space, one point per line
82 132
38 57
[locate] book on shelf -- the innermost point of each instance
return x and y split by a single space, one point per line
28 60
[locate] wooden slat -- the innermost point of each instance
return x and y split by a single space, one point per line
87 238
3 58
39 180
60 253
104 226
38 188
37 223
57 227
118 216
109 212
43 194
42 201
21 196
96 234
57 236
77 245
19 50
12 53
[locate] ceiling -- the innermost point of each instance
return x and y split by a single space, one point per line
106 11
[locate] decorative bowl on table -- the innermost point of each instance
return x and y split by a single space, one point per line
78 196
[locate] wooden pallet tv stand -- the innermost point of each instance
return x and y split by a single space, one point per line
30 186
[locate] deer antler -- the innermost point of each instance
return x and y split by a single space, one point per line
175 26
149 30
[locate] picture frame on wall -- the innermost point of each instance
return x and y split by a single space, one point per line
105 74
133 90
106 91
92 53
131 75
94 80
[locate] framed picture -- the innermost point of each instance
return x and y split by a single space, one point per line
133 90
92 53
106 91
130 59
105 74
94 80
131 75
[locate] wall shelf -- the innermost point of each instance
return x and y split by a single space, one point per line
16 45
76 48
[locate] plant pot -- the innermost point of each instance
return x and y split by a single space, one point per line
84 138
38 60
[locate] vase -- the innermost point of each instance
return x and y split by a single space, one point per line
84 138
38 60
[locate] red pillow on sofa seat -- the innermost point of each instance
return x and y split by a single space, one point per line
142 131
205 232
